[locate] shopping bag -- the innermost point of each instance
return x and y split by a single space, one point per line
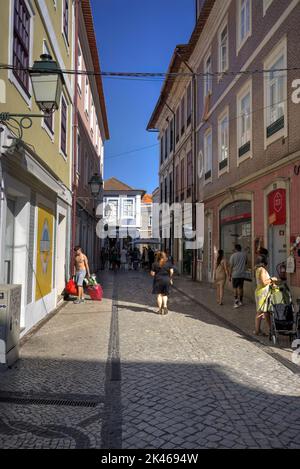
95 292
71 288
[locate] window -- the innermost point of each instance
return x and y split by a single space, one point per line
208 155
182 115
223 126
66 19
112 211
189 105
171 134
48 120
92 118
177 125
244 122
161 150
21 43
79 67
86 96
63 127
177 182
78 164
182 179
208 77
166 144
150 221
189 174
223 50
244 21
276 93
128 208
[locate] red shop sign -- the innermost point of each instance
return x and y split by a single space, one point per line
277 207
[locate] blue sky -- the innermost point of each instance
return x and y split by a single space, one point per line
136 36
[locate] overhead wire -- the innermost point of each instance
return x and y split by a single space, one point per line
162 75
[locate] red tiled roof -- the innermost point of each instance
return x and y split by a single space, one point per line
89 24
114 184
147 199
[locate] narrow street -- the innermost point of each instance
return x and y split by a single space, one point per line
117 375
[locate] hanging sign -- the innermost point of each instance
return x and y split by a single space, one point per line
277 207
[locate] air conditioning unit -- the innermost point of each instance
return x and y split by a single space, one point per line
10 306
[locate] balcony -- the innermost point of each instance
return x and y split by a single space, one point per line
244 149
223 164
207 175
275 127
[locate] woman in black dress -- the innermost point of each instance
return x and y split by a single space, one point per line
162 271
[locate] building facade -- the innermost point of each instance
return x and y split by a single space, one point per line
122 213
146 217
246 146
91 134
35 171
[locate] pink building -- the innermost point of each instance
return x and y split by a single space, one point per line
92 131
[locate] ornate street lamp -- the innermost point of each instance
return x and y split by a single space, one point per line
47 83
95 184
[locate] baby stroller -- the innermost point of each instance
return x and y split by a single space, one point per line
284 320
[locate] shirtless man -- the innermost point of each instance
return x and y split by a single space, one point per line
81 269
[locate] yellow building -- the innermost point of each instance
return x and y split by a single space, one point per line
35 172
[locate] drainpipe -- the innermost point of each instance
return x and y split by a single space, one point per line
75 131
194 179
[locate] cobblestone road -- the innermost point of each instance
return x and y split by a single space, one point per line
139 380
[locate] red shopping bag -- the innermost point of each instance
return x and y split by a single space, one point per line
95 292
71 288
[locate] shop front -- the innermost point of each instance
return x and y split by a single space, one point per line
236 228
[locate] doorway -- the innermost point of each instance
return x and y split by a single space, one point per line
277 247
61 254
9 241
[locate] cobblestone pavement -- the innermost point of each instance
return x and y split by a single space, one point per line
189 381
55 395
116 374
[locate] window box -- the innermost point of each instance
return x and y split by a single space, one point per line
223 164
244 149
275 127
207 175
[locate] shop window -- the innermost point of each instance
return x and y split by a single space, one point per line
236 228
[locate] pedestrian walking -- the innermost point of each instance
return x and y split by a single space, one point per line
151 257
220 276
237 267
263 282
162 272
81 270
123 259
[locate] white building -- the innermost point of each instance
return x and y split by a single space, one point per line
122 211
